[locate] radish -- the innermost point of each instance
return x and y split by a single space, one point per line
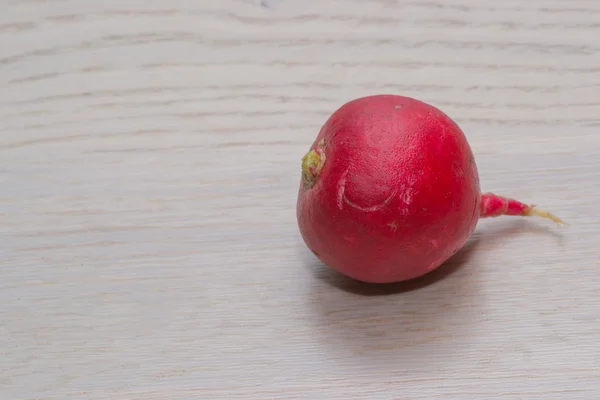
390 190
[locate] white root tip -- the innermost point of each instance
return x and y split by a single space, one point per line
533 211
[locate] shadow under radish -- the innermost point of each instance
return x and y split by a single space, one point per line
339 281
487 237
430 319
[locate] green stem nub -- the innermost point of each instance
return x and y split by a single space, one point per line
312 163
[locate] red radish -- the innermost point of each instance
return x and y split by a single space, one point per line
390 190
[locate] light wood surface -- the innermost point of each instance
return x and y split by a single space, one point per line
149 165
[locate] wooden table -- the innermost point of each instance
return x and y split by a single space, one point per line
149 164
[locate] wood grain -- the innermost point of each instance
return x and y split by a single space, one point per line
149 163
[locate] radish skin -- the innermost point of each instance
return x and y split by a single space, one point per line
389 190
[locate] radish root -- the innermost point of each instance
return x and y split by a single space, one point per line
493 206
533 211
